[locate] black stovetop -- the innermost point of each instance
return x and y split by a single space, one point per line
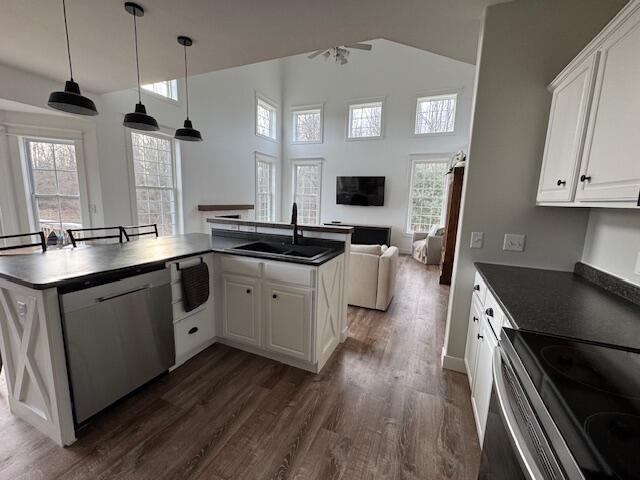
592 392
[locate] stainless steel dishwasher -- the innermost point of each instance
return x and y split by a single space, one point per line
118 336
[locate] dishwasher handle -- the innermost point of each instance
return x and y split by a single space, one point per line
121 294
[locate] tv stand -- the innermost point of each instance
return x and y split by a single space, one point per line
367 234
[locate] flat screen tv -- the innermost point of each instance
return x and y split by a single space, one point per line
368 191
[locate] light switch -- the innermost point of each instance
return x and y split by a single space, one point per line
476 239
513 242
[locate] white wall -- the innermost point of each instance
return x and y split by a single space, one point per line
613 243
398 73
524 45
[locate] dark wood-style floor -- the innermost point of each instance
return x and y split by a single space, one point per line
382 408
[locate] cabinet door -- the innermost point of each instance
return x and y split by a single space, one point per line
610 168
288 320
470 353
484 378
566 132
241 317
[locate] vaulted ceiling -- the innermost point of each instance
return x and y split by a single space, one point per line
227 33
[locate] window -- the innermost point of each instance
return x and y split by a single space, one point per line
427 193
436 114
307 187
155 182
167 89
307 125
265 187
365 120
55 188
265 118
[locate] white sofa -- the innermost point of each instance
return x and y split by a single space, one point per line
372 275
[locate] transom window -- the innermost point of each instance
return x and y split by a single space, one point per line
168 89
435 114
307 125
55 189
265 187
427 194
365 120
266 114
307 188
155 182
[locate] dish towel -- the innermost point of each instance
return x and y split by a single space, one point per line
195 286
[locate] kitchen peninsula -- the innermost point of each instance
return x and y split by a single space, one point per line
268 297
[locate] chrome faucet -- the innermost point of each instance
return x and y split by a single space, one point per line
294 222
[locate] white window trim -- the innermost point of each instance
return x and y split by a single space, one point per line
317 161
275 105
422 158
436 93
54 135
165 134
302 108
157 96
364 101
264 157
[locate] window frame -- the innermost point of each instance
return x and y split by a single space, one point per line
295 163
415 159
164 134
273 162
153 94
29 182
365 102
260 98
435 94
307 108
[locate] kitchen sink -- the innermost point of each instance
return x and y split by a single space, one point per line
303 251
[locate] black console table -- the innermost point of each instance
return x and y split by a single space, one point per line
367 234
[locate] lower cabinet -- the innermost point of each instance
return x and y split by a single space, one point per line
471 352
288 320
241 309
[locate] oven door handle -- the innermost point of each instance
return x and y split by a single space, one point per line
526 457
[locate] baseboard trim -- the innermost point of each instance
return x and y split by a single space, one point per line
453 363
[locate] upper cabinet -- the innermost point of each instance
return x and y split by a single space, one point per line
592 152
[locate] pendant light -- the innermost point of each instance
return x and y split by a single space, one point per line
71 100
138 119
187 133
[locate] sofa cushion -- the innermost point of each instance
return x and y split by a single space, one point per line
370 249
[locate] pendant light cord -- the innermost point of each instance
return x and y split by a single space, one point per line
135 34
186 79
66 29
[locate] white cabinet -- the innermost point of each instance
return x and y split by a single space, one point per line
565 133
471 351
483 382
611 162
288 320
241 309
592 139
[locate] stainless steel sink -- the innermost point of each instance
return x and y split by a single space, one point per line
309 252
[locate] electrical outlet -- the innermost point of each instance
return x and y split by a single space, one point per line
637 270
513 242
477 239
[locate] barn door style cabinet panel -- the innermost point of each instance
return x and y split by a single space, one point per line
592 151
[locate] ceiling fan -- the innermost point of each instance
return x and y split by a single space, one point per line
340 54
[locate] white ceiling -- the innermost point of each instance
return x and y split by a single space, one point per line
227 33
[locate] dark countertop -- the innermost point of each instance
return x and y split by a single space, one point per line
56 268
283 225
562 303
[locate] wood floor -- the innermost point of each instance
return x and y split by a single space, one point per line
382 408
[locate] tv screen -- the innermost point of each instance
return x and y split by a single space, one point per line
368 191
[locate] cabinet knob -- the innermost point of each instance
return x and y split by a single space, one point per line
480 337
274 296
561 182
584 178
248 290
475 319
193 330
489 312
476 288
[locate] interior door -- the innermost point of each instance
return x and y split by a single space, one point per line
241 317
566 132
610 165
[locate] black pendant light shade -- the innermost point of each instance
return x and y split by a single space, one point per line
139 119
187 133
71 100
